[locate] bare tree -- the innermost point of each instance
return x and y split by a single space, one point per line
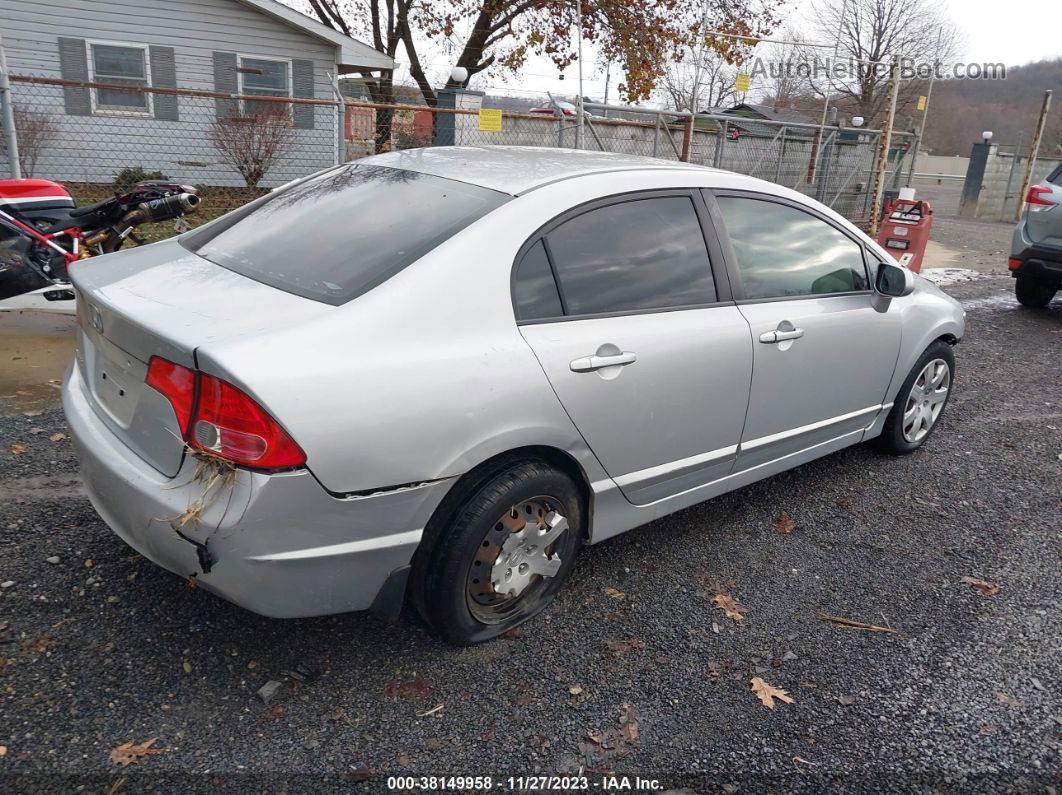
253 144
35 132
867 34
702 78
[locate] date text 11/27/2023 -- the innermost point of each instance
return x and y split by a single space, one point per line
607 783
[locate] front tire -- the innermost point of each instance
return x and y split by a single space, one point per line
920 402
1032 292
497 556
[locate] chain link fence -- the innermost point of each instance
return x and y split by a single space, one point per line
97 138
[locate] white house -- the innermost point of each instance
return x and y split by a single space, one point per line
61 52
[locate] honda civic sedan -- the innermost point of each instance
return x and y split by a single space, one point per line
434 375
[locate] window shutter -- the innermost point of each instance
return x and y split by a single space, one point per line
164 75
225 81
73 65
302 88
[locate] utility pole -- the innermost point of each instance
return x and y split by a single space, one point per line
695 100
579 102
925 111
882 164
8 121
1033 152
826 99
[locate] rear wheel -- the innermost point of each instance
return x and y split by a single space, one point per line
498 556
920 401
1033 292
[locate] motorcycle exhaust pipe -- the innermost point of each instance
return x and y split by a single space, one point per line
173 206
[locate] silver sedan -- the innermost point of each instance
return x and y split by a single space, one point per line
437 373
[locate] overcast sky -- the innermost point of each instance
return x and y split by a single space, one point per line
1014 32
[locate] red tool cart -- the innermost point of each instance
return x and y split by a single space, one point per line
905 231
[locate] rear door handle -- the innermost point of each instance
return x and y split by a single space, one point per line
588 364
770 337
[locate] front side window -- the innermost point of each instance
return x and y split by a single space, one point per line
782 251
634 255
337 235
120 65
261 77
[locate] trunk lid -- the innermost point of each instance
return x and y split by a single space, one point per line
162 300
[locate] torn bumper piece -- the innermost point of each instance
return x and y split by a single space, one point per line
276 544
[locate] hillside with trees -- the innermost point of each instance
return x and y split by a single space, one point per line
962 109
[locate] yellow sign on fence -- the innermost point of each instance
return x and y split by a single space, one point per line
490 120
921 103
742 83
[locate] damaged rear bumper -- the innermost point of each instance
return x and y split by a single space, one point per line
276 544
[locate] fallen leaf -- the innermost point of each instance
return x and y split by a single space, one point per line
130 752
516 633
729 605
768 693
575 690
986 588
620 646
1010 701
411 689
628 723
276 711
57 437
538 741
784 524
845 701
613 592
360 773
33 413
18 449
3 751
187 666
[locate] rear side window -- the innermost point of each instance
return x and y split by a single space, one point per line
634 255
341 233
782 251
1055 177
535 290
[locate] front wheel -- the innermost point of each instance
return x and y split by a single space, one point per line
1032 292
920 401
498 556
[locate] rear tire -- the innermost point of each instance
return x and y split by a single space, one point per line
1032 292
477 575
919 404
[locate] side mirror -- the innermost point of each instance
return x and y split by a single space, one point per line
894 281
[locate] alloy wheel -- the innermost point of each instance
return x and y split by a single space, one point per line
926 400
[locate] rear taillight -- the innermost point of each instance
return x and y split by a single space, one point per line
1013 263
177 384
1037 195
218 418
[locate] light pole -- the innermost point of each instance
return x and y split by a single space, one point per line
579 99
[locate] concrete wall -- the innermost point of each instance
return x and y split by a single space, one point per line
999 194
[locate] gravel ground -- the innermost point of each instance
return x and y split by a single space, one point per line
102 647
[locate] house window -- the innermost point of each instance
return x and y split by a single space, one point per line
263 77
120 65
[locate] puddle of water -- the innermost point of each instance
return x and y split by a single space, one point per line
950 275
1004 300
35 350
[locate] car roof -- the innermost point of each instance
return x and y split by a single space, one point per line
518 169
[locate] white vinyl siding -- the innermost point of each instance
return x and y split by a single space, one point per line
92 148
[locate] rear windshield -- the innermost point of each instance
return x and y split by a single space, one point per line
337 235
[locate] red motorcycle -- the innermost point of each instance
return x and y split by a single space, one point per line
42 231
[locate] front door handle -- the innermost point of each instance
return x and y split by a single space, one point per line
770 337
588 364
